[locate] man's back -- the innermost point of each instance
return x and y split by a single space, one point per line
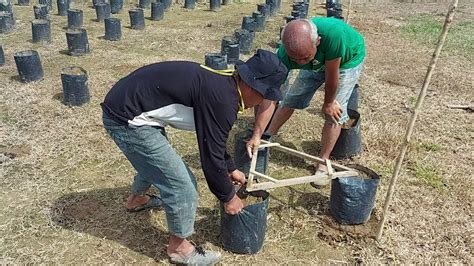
167 93
338 39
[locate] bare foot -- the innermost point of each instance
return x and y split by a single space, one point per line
181 251
134 201
179 247
320 167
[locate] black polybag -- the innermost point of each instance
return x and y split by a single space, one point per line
244 232
352 198
241 157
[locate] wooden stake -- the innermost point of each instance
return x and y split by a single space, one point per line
419 102
348 11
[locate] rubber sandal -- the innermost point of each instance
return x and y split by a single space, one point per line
198 256
153 203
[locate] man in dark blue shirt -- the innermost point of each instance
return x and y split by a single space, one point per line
187 96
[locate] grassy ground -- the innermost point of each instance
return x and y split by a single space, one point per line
64 182
426 29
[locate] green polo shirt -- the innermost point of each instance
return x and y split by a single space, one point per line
337 40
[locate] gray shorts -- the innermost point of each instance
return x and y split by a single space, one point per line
300 93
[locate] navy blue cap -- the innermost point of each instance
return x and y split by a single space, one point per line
263 72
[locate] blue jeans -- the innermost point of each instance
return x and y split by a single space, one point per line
157 163
299 95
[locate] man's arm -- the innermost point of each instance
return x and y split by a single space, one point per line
213 123
331 107
262 118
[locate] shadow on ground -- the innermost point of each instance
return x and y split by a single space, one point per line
284 158
193 160
101 213
312 147
312 202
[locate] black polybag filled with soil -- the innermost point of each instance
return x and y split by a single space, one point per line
244 232
352 198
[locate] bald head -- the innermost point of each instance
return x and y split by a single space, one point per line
300 39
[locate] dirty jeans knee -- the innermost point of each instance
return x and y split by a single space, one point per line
124 139
158 164
180 215
177 186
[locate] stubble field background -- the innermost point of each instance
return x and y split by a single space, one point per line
64 181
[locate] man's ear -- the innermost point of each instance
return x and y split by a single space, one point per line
319 40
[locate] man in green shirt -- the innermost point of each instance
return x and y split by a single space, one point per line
326 50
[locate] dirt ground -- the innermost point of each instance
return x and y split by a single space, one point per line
64 181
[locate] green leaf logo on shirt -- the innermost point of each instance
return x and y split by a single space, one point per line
316 62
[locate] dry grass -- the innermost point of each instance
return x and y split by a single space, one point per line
63 181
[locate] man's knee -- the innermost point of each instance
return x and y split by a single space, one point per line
286 109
